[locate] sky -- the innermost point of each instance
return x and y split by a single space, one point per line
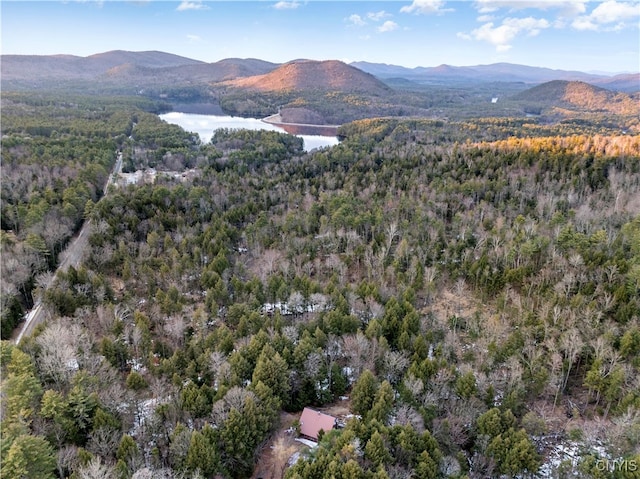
590 36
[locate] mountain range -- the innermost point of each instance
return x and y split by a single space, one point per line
499 72
328 92
25 70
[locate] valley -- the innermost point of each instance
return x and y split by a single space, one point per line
457 279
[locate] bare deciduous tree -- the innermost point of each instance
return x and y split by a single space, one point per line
267 263
147 473
414 385
234 399
312 364
175 327
361 353
96 469
104 441
296 302
395 363
60 343
391 233
66 460
408 416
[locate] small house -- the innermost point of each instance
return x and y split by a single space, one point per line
311 422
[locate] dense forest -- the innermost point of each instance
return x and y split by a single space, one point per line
472 287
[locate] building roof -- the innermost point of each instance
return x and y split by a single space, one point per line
312 421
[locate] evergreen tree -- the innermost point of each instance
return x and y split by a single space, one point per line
382 403
376 451
426 467
29 456
363 393
128 452
202 455
273 371
514 452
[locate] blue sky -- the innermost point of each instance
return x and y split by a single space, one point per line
563 34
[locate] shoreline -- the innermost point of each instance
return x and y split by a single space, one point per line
295 128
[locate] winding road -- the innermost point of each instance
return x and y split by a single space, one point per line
72 256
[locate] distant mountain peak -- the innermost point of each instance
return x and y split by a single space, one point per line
313 74
496 72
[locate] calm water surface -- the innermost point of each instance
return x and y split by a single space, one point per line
205 125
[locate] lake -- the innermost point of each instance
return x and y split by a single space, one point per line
205 125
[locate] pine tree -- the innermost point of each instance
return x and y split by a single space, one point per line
466 385
376 451
352 470
490 423
29 456
128 452
426 468
273 371
21 388
363 393
514 452
382 403
202 455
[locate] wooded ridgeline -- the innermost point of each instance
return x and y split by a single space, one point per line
472 286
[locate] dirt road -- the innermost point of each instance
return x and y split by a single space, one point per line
72 256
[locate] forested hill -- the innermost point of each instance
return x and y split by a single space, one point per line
327 92
121 69
581 96
60 67
313 75
471 288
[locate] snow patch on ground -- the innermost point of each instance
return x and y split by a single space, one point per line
567 455
307 442
294 458
561 453
286 309
144 412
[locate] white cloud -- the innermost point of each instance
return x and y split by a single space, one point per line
567 7
356 19
284 5
388 26
377 16
95 3
485 18
425 7
609 15
584 23
612 11
501 36
194 38
191 5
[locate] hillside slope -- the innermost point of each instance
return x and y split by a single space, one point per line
50 67
582 96
307 75
123 68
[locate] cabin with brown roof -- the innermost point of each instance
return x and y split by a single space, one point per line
311 422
